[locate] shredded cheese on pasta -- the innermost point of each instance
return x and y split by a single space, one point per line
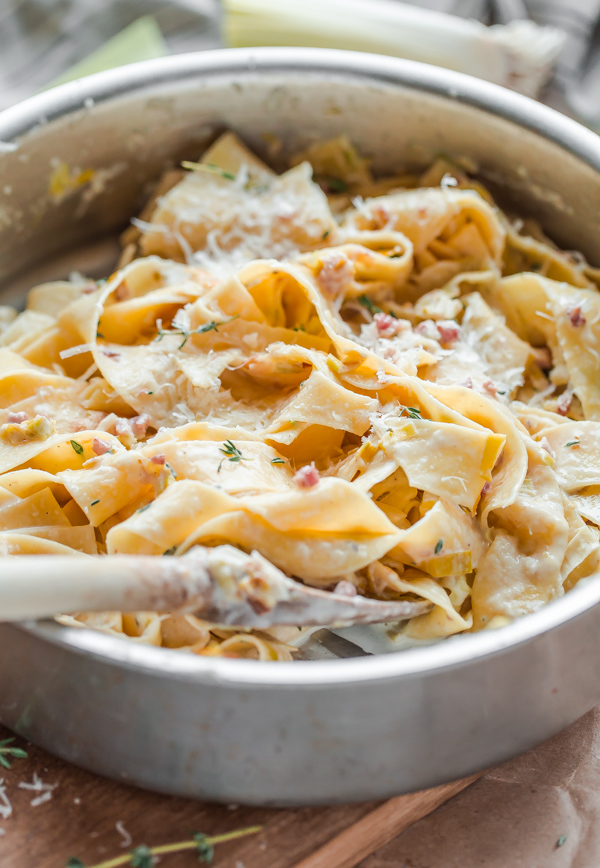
380 382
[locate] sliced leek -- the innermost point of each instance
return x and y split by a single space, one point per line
519 55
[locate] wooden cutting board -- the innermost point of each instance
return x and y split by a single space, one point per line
95 820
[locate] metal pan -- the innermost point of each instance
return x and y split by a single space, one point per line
313 731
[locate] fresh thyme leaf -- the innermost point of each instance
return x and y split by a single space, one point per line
572 443
170 551
183 342
277 461
561 840
337 185
98 335
411 412
144 508
439 546
221 171
150 393
232 453
370 306
208 167
94 502
326 234
206 851
230 450
141 857
211 326
7 751
76 446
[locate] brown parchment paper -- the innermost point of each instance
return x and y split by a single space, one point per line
512 818
515 815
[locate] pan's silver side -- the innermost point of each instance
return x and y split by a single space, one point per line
309 732
301 733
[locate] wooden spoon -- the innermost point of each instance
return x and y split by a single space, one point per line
222 585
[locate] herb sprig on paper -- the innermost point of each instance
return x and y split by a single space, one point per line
143 856
6 750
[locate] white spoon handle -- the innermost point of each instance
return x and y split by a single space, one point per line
40 586
222 585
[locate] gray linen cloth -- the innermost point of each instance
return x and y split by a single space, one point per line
40 39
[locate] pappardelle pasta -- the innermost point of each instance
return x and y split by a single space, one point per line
385 383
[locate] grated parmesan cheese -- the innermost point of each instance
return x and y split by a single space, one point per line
127 839
37 785
6 808
76 351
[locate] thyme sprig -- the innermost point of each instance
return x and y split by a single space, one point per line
211 326
208 167
334 185
411 412
369 304
372 307
142 856
6 751
232 453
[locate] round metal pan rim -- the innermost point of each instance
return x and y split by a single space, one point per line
523 111
149 75
449 654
